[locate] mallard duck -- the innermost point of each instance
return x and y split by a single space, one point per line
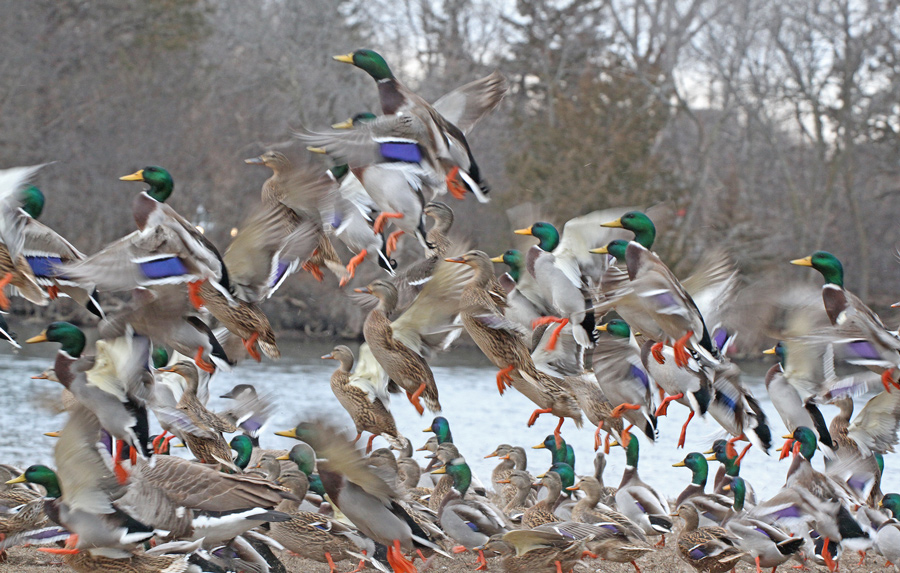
470 522
622 378
638 501
854 317
500 340
110 385
165 249
203 436
537 551
794 411
763 544
706 549
42 248
364 497
298 192
664 304
873 431
542 512
446 141
814 495
402 346
313 535
367 412
887 539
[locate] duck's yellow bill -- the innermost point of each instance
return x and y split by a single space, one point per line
42 337
136 176
615 224
346 124
804 262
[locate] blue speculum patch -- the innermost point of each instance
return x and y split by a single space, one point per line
408 152
163 268
44 266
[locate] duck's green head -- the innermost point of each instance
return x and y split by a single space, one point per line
370 62
807 439
160 181
43 476
67 334
638 223
459 470
778 350
243 445
441 428
32 201
615 248
514 260
739 489
696 462
827 264
632 452
160 357
338 172
566 474
891 501
616 327
304 456
558 454
545 233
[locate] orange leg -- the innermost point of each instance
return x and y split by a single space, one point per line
551 344
351 266
656 351
619 410
504 380
455 184
536 413
250 345
194 293
786 449
414 398
330 562
391 244
743 453
887 379
53 292
681 354
683 434
71 542
369 444
664 405
826 555
378 226
4 302
203 364
362 564
314 270
481 561
556 432
597 436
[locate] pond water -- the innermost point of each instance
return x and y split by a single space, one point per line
480 418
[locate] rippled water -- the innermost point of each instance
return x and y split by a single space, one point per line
479 417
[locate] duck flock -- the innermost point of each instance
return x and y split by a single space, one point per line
589 324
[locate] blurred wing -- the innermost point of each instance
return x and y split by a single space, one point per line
466 105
